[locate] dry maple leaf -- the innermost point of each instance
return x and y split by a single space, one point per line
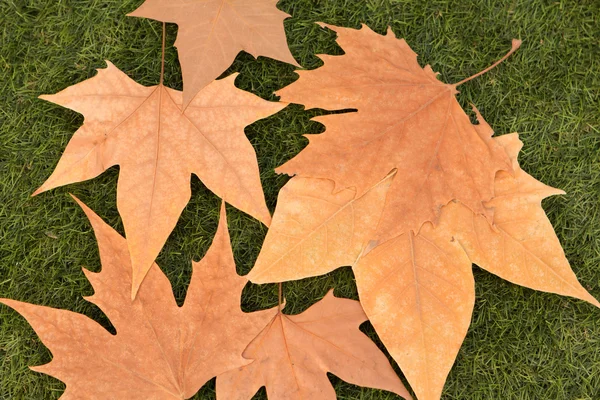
160 351
407 119
418 290
213 32
157 147
294 353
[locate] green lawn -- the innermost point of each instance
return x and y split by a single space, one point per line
522 344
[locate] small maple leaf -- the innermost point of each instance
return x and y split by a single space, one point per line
213 32
160 350
157 147
294 353
407 119
418 289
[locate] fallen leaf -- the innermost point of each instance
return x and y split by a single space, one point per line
419 295
160 350
418 289
157 147
406 120
316 230
213 32
294 353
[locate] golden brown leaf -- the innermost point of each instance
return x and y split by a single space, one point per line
213 32
316 230
160 351
407 119
294 353
157 147
417 290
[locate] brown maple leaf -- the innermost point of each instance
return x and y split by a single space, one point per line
294 353
213 32
160 350
157 147
418 289
407 119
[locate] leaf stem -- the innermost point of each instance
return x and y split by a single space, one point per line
516 43
280 297
162 57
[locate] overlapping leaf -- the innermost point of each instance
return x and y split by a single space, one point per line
294 353
213 32
163 351
160 351
417 289
143 130
407 119
451 195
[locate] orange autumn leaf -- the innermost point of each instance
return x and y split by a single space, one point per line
157 147
160 350
418 289
293 354
418 292
407 119
213 32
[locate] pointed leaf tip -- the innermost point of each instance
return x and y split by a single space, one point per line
77 200
223 225
90 214
136 282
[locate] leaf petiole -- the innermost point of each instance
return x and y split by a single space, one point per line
516 43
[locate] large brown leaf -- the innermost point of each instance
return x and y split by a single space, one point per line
157 147
419 293
294 353
417 289
213 32
407 119
160 351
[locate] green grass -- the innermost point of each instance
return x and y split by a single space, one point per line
522 344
